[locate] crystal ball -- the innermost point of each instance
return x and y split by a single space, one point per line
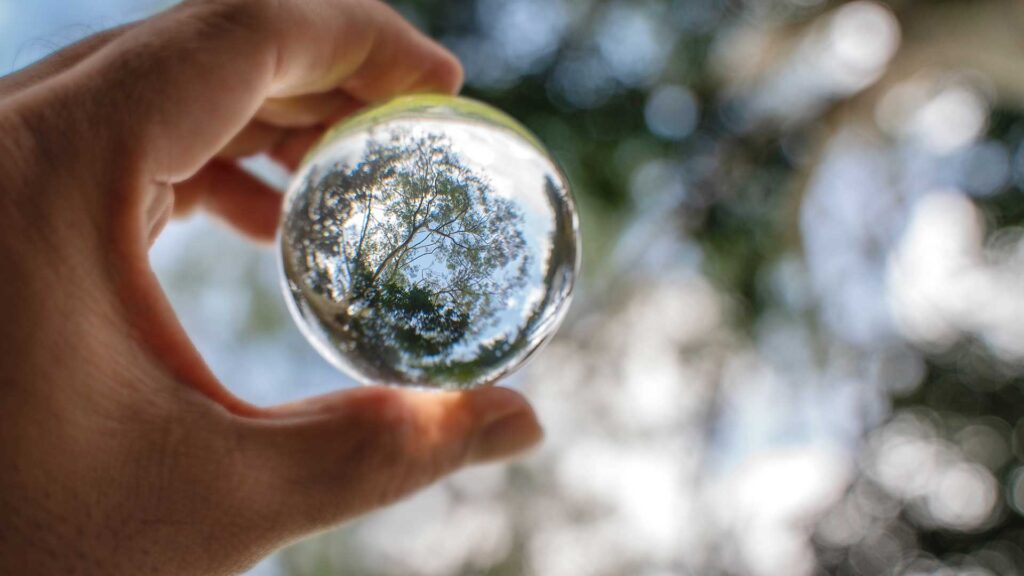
431 242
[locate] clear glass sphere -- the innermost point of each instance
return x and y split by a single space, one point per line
430 242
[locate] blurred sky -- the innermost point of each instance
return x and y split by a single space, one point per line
30 30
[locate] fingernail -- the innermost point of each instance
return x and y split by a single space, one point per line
510 433
495 403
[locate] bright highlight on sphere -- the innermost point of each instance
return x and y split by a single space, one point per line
431 242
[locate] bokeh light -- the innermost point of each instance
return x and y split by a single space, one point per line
671 112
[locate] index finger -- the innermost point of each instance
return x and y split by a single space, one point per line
175 89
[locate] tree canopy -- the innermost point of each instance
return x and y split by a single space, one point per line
413 249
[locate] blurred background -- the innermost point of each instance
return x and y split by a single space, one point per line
798 344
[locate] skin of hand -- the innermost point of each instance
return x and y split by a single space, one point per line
120 452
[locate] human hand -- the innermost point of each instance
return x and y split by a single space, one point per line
119 451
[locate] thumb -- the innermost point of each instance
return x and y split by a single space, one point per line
332 458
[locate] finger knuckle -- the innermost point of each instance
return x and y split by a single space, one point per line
18 137
221 16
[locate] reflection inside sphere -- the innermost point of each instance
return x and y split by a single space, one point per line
429 242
